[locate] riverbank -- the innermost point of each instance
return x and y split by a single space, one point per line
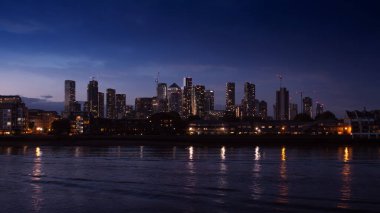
217 140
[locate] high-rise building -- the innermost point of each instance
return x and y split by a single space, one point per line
162 97
282 104
230 96
263 110
101 104
143 107
174 98
186 97
198 100
69 96
293 111
308 106
209 100
111 104
319 109
13 115
92 98
249 99
121 105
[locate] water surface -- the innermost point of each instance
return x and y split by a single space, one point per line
189 179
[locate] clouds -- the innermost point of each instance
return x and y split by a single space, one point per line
21 27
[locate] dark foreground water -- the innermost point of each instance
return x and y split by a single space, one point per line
189 179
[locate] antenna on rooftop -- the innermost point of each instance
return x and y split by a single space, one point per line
280 77
157 77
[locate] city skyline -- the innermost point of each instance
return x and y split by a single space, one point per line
323 49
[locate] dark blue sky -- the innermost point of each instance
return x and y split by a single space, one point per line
330 50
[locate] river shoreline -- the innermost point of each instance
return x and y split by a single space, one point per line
160 140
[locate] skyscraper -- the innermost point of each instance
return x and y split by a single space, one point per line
209 100
230 96
174 98
293 111
162 100
186 97
263 110
198 100
92 98
111 110
101 104
282 104
143 107
121 106
249 99
69 96
319 109
308 106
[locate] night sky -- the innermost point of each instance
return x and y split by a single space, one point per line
330 50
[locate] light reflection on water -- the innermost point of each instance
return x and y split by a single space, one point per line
256 176
283 189
345 191
37 199
225 177
223 170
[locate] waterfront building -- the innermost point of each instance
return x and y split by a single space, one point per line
41 120
281 107
111 103
13 115
174 98
230 96
92 98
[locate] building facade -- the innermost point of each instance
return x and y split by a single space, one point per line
111 104
92 98
198 100
281 107
13 115
174 98
249 99
230 96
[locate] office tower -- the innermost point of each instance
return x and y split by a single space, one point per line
293 111
86 107
162 98
308 106
209 100
186 97
121 105
143 107
69 96
13 115
263 110
101 104
174 98
282 104
319 109
256 104
92 98
230 96
249 99
111 104
198 100
162 91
